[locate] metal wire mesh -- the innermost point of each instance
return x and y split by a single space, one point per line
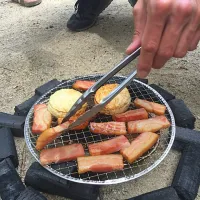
144 164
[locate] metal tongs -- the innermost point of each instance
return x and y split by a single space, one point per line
87 94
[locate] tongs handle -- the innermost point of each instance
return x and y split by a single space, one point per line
100 82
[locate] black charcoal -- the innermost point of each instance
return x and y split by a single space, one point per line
46 87
185 136
187 176
165 94
42 180
23 108
10 183
31 194
168 193
17 132
178 146
183 116
7 146
15 123
11 121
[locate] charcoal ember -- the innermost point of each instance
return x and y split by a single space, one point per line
144 80
7 146
15 123
187 176
165 94
42 180
168 193
46 87
31 194
185 136
183 116
23 108
10 183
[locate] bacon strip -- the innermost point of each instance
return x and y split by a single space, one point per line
139 146
152 107
83 85
50 135
72 119
131 115
61 154
103 163
109 146
148 125
42 118
108 128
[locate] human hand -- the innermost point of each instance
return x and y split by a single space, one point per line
164 29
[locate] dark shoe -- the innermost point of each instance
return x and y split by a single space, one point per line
86 14
132 2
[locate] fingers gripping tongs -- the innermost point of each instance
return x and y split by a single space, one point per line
87 94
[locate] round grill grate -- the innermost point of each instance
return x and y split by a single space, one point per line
142 166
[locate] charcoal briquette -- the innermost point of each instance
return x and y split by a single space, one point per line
178 146
42 180
23 108
10 183
168 193
31 194
187 176
164 93
185 136
7 146
14 122
46 87
183 116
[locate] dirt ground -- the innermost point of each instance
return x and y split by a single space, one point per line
36 46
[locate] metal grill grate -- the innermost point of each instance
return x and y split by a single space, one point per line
143 165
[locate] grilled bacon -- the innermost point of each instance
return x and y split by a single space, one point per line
139 146
108 128
42 118
72 119
131 115
50 135
109 146
103 163
61 154
83 85
148 125
152 107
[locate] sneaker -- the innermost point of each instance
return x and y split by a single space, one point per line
86 14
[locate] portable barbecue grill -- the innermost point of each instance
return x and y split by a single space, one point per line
143 165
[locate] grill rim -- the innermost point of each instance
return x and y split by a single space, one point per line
111 181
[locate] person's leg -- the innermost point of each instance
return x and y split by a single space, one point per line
86 14
28 3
